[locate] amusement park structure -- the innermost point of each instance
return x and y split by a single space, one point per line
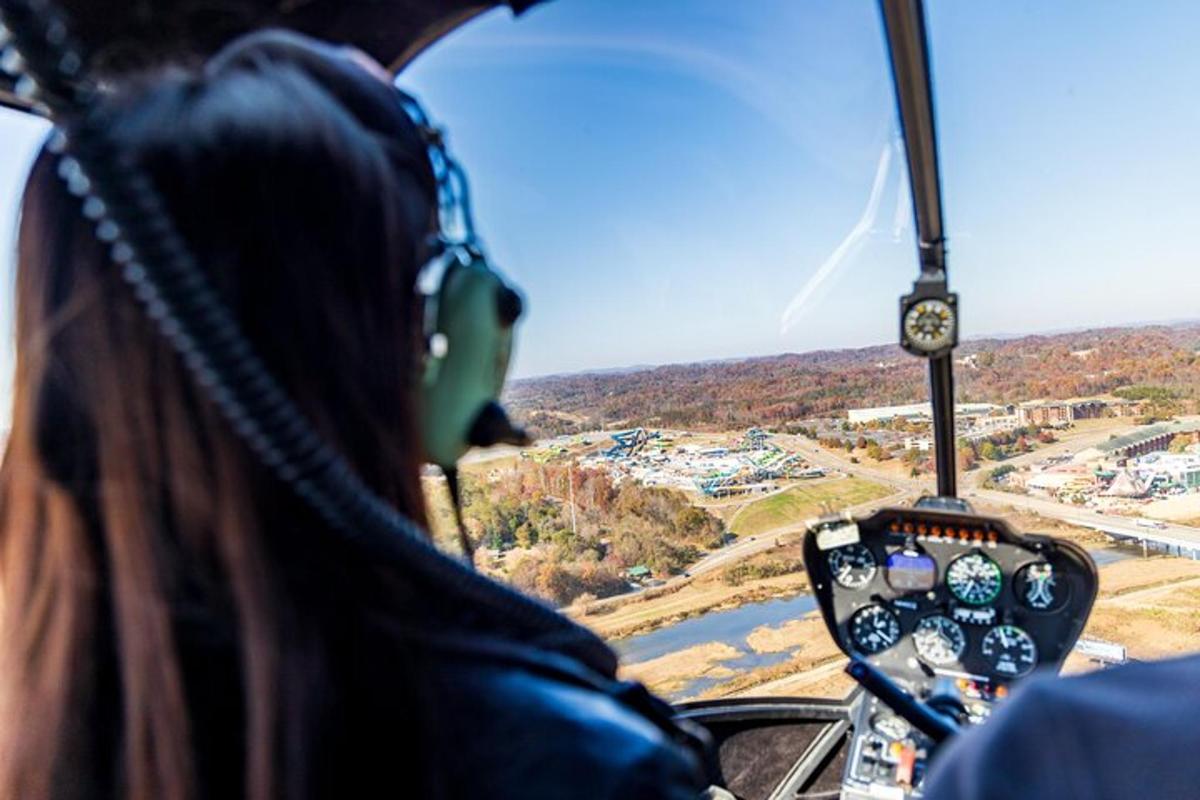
750 471
629 443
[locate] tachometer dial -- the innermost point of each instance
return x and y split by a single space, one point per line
974 579
1039 587
852 566
939 640
874 629
1009 651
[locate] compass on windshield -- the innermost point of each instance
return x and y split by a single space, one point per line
929 325
929 321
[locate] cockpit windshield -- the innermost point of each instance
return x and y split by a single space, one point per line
707 207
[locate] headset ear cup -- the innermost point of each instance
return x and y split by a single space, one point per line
475 319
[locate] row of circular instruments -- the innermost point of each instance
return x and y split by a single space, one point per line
974 582
941 641
972 578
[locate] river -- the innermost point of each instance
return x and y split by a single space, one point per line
728 627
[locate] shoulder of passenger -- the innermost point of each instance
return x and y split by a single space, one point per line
1115 693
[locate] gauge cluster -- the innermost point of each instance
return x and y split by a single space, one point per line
924 593
942 602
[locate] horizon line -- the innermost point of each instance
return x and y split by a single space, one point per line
1175 322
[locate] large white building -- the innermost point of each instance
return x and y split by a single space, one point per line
914 411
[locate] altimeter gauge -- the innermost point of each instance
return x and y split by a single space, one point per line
929 325
1009 651
974 579
874 629
939 640
852 566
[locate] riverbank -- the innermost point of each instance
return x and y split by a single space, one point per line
654 609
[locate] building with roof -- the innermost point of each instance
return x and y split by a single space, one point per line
1057 413
1150 439
915 411
1045 413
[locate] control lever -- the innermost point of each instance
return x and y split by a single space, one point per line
935 725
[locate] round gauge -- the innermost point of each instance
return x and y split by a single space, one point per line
1009 651
852 566
939 640
929 325
1039 587
974 579
890 725
874 629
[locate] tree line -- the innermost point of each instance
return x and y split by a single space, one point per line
562 531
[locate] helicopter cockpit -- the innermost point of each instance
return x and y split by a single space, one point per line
936 611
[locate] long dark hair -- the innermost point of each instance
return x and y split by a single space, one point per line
174 623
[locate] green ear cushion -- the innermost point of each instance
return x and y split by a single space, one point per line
470 374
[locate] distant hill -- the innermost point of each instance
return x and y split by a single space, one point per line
775 389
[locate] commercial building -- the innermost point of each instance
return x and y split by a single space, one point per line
1086 408
914 411
1146 440
1057 413
983 427
1045 413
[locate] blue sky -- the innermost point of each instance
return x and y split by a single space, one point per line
686 180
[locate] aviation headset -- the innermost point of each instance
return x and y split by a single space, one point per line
469 320
469 317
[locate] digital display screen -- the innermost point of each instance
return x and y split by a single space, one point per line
911 572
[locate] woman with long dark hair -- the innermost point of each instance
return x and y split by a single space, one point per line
176 623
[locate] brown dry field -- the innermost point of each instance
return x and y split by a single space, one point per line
668 673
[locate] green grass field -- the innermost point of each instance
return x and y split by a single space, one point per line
803 501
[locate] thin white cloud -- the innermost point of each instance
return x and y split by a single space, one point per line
841 254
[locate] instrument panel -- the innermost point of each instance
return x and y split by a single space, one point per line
947 604
922 593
